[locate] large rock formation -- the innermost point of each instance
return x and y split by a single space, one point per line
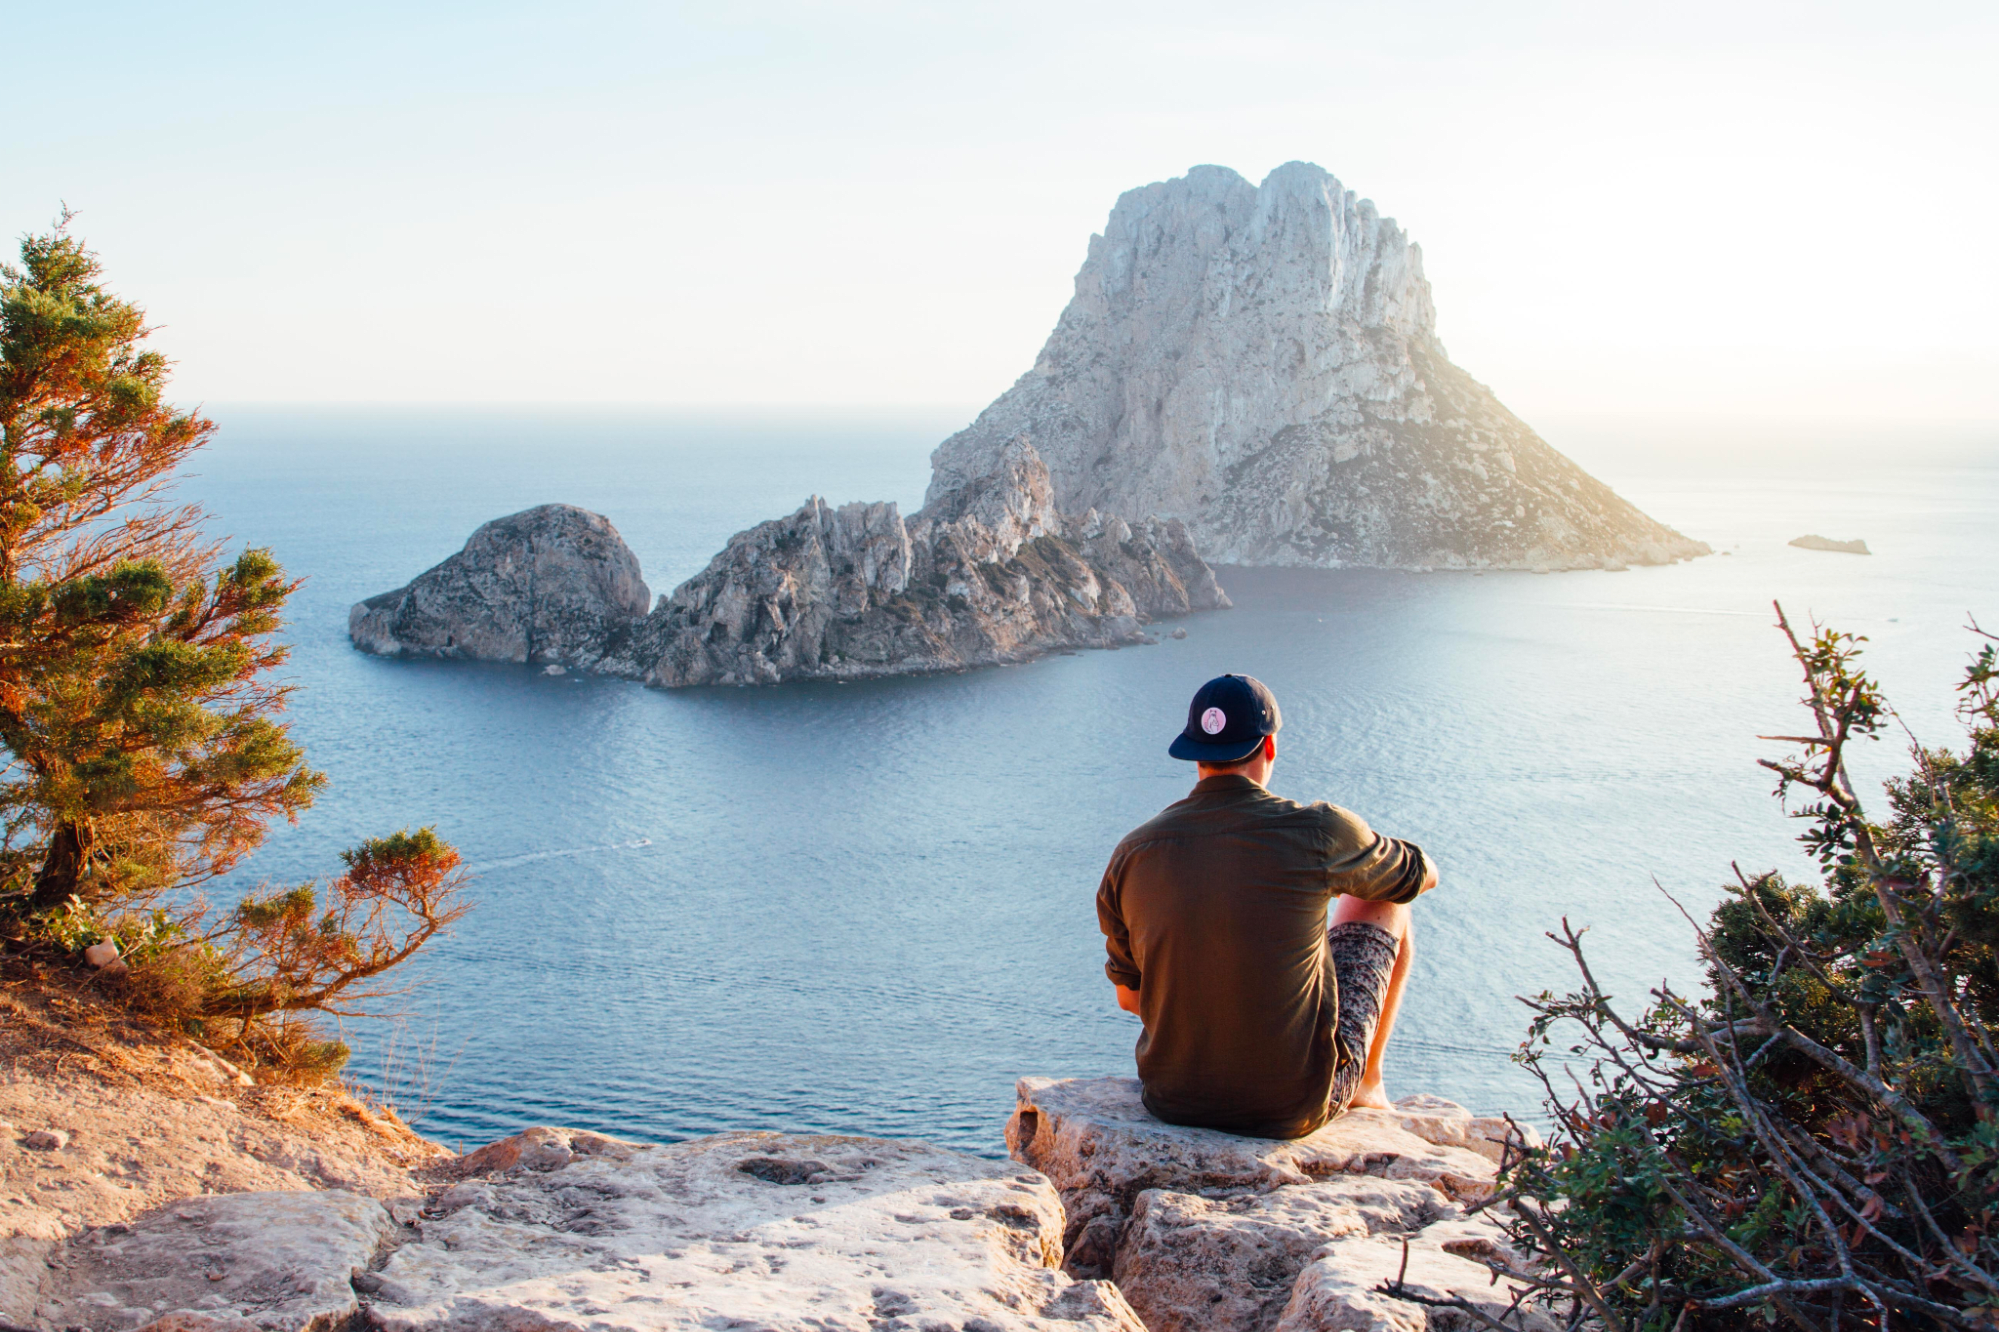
552 584
988 573
1263 363
1206 1230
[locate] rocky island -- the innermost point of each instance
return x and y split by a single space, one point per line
1263 363
1246 375
550 584
987 573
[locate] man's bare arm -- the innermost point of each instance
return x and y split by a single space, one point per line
1127 999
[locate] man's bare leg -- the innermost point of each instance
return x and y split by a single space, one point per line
1393 918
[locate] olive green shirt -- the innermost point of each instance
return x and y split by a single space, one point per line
1215 912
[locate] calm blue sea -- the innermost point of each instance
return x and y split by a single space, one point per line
869 908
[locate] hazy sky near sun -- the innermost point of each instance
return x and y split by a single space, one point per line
1773 210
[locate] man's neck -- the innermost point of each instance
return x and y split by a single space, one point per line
1256 773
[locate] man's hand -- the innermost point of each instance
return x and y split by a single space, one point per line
1127 999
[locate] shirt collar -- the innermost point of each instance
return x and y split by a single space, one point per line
1225 784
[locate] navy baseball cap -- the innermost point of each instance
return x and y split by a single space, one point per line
1227 721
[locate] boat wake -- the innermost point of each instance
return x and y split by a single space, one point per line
525 858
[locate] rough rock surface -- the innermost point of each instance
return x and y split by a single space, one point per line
1206 1230
1102 1148
1189 1261
550 584
1263 363
1341 1287
738 1231
989 573
281 1260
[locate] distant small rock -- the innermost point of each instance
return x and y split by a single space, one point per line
1179 633
46 1140
102 954
1811 541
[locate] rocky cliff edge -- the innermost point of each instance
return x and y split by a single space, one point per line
149 1185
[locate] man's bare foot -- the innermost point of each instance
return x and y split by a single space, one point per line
1372 1095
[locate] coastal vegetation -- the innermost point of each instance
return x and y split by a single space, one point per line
139 706
1814 1141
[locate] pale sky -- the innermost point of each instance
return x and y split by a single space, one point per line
1780 211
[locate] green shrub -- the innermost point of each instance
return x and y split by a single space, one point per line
1814 1142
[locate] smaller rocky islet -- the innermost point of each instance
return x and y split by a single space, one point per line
989 574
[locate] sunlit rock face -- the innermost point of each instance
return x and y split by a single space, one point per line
1262 362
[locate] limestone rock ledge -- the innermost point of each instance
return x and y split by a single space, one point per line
1205 1230
270 1260
555 1229
751 1230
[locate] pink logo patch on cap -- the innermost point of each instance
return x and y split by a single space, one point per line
1213 721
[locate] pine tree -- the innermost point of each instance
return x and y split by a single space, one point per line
137 706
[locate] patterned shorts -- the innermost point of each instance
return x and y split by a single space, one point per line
1363 961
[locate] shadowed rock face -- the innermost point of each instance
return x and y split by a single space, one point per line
990 573
274 1260
551 584
1263 363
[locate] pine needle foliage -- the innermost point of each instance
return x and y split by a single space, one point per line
136 699
139 712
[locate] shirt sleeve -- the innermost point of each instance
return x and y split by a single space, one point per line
1119 966
1374 867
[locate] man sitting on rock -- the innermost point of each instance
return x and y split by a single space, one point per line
1259 1019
